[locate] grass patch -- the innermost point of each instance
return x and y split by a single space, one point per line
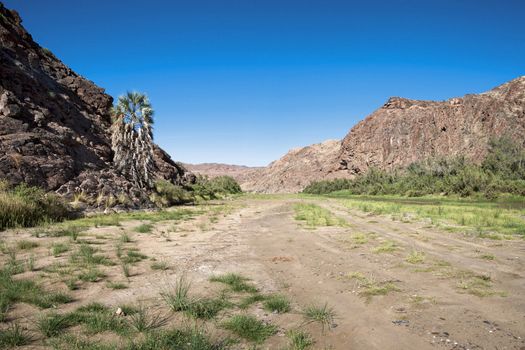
478 285
179 299
86 256
144 320
91 275
23 290
236 282
116 285
144 228
415 257
250 300
369 288
190 338
52 325
299 340
59 248
277 303
385 247
485 219
133 257
487 257
159 265
13 336
323 315
25 206
26 245
125 238
315 216
250 328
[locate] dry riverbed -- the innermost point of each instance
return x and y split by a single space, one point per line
255 275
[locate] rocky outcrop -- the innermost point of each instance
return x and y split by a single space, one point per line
404 131
401 132
54 124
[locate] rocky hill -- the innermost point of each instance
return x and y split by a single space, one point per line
295 170
54 124
403 131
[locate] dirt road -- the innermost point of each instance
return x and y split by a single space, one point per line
391 284
432 302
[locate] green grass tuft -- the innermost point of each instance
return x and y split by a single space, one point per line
250 328
277 303
236 282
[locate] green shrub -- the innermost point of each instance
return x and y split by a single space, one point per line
25 206
216 187
167 194
502 171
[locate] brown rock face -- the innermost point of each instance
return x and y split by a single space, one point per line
399 133
54 123
404 131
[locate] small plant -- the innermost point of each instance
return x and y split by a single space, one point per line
13 336
144 321
71 283
251 299
415 257
250 328
277 303
385 247
133 257
126 270
178 300
299 340
31 263
125 238
159 265
487 257
236 282
144 228
116 285
59 248
52 324
205 308
91 275
324 315
26 245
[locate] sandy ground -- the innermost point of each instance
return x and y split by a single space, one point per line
432 306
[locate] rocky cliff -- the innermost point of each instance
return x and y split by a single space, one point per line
403 131
54 124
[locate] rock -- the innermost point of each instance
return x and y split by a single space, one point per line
404 131
54 125
119 312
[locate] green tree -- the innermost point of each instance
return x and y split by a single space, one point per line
132 138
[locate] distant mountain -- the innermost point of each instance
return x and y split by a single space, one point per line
54 124
240 173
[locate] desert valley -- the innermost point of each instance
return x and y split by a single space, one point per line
407 233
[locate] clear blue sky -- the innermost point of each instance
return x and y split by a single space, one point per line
244 81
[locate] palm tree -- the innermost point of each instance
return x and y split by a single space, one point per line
132 138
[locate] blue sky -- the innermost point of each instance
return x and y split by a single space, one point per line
243 81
